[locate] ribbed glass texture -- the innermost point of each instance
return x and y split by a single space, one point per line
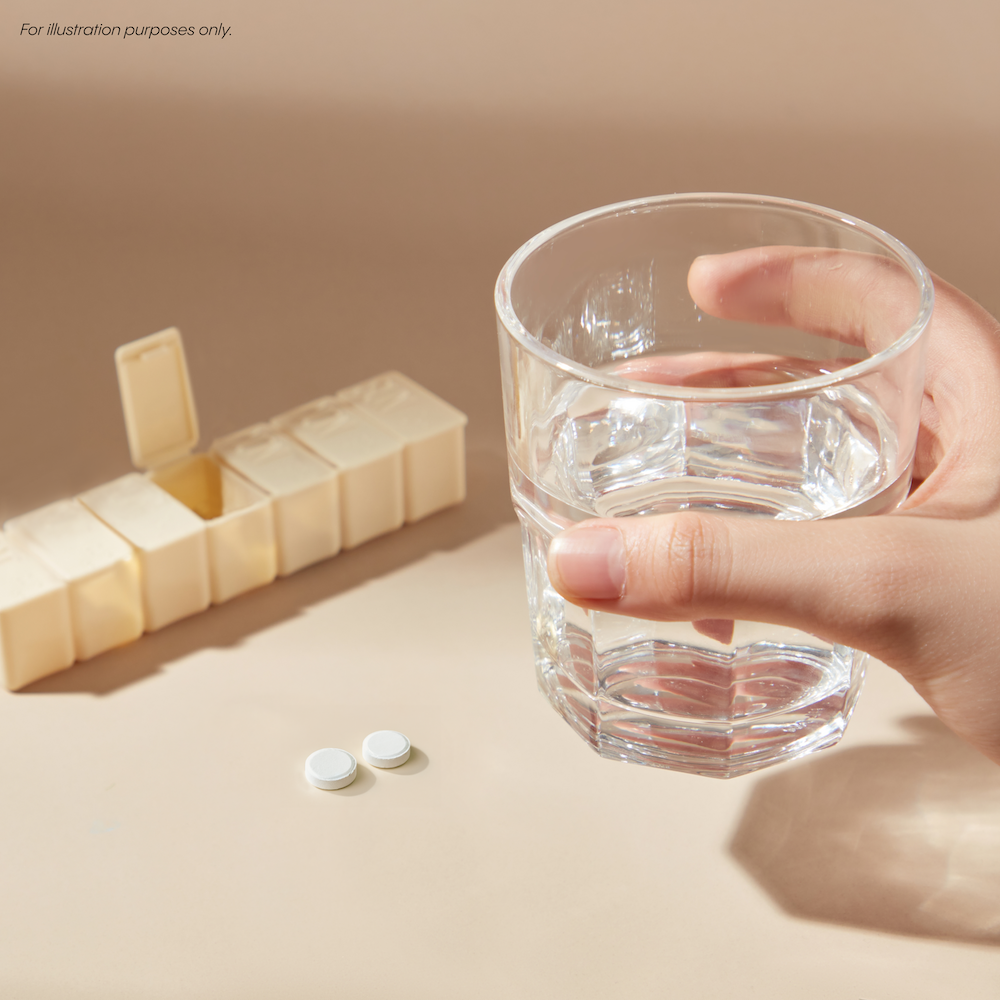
789 389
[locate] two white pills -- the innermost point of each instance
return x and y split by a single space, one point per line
332 768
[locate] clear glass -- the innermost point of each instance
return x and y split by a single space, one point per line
793 394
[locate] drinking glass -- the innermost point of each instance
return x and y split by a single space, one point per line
790 389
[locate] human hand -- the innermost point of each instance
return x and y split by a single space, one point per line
918 588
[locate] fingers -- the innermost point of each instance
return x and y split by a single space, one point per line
861 299
723 370
865 299
917 592
958 450
860 582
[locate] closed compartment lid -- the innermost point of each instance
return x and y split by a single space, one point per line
272 460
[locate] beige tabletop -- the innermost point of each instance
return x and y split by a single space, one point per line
159 839
329 192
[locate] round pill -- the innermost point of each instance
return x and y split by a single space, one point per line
331 768
386 748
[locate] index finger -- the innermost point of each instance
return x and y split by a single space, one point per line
859 298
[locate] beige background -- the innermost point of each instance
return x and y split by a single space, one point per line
331 191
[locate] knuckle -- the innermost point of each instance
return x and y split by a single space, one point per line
689 560
883 583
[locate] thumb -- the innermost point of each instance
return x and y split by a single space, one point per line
856 581
917 592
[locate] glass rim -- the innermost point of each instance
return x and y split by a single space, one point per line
516 329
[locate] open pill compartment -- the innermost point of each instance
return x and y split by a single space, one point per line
368 459
170 540
433 436
162 428
100 569
304 491
81 576
36 633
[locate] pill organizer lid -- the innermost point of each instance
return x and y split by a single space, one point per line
160 417
22 576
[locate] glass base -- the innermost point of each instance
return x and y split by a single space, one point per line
697 743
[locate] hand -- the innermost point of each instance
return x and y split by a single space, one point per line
918 588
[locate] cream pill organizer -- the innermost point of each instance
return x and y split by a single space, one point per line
81 576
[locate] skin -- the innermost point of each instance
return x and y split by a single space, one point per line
918 588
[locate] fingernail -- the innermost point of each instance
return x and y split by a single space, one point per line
588 563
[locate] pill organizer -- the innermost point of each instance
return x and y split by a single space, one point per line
83 575
162 427
171 544
99 567
304 492
433 436
369 460
36 634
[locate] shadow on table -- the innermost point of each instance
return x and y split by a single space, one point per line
486 507
902 838
416 763
363 782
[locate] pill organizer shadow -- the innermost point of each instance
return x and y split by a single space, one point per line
83 575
